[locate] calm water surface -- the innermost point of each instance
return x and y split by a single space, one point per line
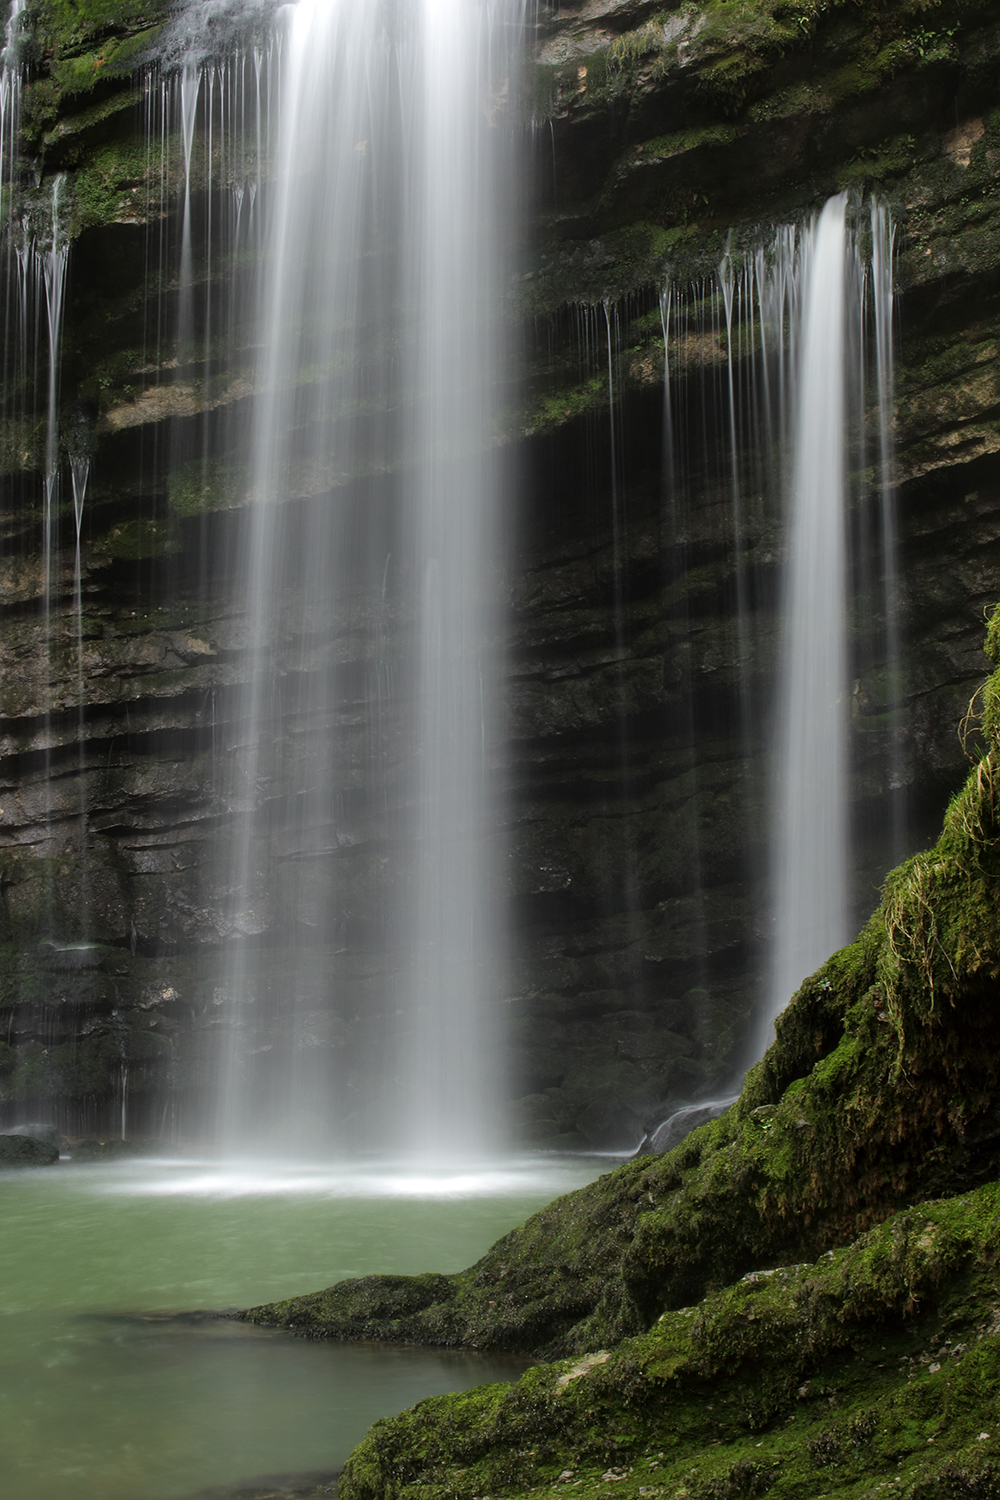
106 1393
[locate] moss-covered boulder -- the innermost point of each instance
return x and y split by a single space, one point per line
873 1368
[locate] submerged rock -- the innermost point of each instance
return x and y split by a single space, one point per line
26 1151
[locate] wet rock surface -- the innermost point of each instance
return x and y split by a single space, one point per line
26 1151
680 1125
47 1134
635 836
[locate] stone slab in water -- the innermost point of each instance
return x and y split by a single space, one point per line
26 1151
93 1148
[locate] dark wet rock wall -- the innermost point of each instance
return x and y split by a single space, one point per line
634 836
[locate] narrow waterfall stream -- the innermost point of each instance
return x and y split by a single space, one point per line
807 394
840 294
811 904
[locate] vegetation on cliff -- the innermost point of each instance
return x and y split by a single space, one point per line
719 120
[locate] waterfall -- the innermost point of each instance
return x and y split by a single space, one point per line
800 371
79 476
883 240
44 264
453 224
51 258
811 900
374 485
318 510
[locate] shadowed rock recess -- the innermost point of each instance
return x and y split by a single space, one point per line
801 1299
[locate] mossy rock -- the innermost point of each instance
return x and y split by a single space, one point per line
26 1151
875 1365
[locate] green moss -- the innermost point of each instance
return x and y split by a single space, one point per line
688 140
196 487
84 120
68 26
875 1363
139 538
875 163
113 187
738 41
73 47
117 56
22 444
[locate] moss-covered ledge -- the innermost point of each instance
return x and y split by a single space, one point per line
875 1366
882 1089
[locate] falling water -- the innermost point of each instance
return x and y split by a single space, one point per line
52 257
10 100
455 224
376 321
190 86
805 352
732 288
335 63
673 326
811 878
883 239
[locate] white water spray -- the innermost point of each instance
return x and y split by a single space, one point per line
456 223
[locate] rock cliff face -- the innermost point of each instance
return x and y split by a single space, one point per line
635 821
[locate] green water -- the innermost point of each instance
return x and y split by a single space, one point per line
107 1392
